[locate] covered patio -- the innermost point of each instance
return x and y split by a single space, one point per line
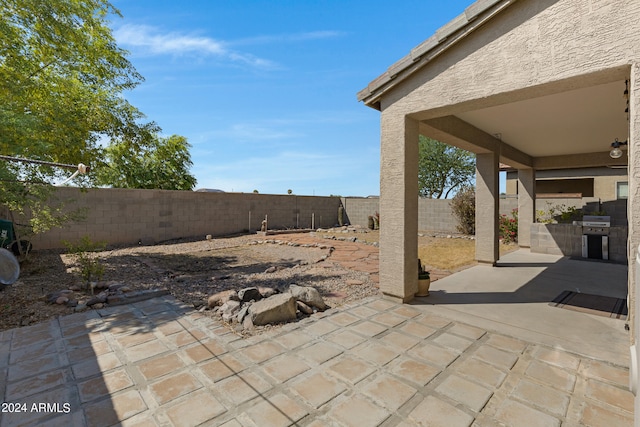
537 85
516 298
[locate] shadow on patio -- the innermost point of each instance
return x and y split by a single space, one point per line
514 298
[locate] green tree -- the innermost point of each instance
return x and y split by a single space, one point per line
61 82
443 169
160 163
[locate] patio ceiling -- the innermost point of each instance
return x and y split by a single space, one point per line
568 126
579 121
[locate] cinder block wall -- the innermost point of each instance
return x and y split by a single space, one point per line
124 216
436 215
566 239
358 209
433 214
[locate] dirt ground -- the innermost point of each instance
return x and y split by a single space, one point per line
190 270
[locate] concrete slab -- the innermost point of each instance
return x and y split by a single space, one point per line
514 298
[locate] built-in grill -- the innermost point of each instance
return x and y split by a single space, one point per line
595 236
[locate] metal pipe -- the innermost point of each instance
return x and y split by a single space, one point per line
42 162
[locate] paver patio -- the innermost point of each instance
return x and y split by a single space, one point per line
372 363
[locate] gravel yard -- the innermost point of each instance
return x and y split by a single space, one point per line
190 270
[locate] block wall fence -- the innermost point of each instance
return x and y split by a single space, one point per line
128 216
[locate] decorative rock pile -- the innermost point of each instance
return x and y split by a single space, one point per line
253 306
110 293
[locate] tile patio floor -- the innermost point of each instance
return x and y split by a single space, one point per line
374 363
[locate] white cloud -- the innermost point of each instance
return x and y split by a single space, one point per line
288 38
285 128
248 132
151 41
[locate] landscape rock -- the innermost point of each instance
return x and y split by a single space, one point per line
80 308
247 323
229 309
276 309
243 312
304 307
101 298
271 269
267 292
110 284
309 296
58 296
115 286
248 294
222 297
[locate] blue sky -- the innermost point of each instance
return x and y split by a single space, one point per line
265 91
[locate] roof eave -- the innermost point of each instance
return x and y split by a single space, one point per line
445 37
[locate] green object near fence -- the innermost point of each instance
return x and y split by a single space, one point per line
6 233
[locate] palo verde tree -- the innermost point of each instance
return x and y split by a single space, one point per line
443 169
156 162
62 77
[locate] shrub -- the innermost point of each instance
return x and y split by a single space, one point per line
509 227
463 206
561 214
84 253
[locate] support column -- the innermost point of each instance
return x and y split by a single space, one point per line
399 207
526 205
487 208
633 216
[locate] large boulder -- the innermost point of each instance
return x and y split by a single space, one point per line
309 296
278 308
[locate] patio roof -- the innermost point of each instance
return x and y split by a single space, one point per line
445 37
539 126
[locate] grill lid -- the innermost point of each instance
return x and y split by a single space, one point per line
596 221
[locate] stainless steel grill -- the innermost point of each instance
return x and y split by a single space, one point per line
595 236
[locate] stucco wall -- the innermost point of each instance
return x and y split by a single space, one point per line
550 41
603 184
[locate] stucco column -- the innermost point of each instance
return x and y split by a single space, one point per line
487 208
633 216
399 207
526 205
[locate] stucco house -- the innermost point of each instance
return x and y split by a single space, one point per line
536 84
604 183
